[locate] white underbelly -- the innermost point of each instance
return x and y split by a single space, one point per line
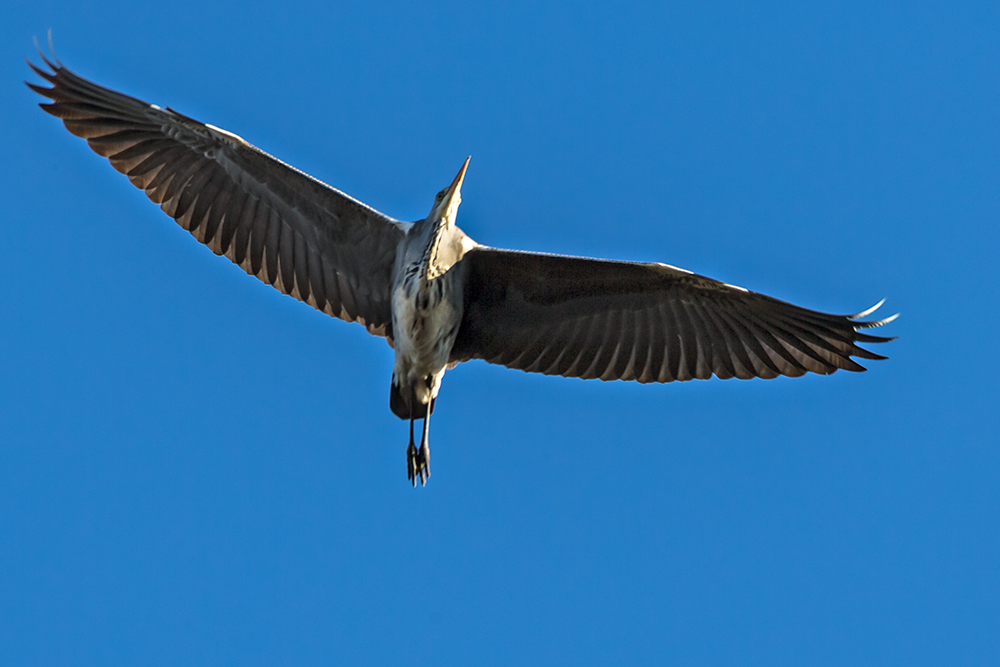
422 339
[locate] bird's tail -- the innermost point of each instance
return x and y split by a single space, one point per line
405 405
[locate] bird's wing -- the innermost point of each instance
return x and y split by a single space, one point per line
279 224
590 318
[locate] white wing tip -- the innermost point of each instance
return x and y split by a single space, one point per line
869 311
885 320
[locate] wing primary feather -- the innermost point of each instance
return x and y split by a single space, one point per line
220 207
867 338
96 128
316 286
565 347
779 353
174 179
660 334
876 323
612 347
348 302
648 348
687 364
191 191
605 350
673 350
126 164
867 311
740 364
210 195
717 350
790 336
636 360
591 329
624 346
332 291
833 350
108 144
300 268
230 222
517 350
258 236
157 159
143 149
547 348
286 259
241 237
750 348
272 248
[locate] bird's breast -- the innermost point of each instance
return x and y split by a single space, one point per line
425 318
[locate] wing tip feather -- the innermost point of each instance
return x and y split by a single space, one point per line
866 312
871 324
54 66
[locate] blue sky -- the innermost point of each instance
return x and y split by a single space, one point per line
197 469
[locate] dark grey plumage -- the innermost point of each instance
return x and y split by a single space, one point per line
437 296
592 318
278 223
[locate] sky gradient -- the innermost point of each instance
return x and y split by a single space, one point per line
196 469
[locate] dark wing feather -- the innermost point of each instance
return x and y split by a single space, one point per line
279 224
591 318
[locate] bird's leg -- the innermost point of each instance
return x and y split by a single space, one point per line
424 455
418 461
411 457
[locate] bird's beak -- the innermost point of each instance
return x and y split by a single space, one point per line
454 194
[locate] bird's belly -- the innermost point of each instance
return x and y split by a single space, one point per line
424 325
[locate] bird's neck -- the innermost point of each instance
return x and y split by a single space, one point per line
435 261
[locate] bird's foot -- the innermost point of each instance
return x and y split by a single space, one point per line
418 464
411 463
424 459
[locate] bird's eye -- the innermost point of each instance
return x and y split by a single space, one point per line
440 196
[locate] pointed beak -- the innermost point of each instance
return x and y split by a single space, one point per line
455 189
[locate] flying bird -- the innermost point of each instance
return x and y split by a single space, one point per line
438 297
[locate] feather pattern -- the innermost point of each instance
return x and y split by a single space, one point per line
286 228
590 318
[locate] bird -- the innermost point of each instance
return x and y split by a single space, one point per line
435 295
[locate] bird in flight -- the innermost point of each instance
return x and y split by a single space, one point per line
438 297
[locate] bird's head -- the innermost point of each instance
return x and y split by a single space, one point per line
446 202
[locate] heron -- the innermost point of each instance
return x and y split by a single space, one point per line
435 295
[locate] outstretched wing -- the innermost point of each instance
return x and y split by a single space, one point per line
590 318
281 225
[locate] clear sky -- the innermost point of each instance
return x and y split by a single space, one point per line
195 469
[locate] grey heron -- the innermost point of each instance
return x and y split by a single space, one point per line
436 296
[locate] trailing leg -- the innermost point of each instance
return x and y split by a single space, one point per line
411 458
424 455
